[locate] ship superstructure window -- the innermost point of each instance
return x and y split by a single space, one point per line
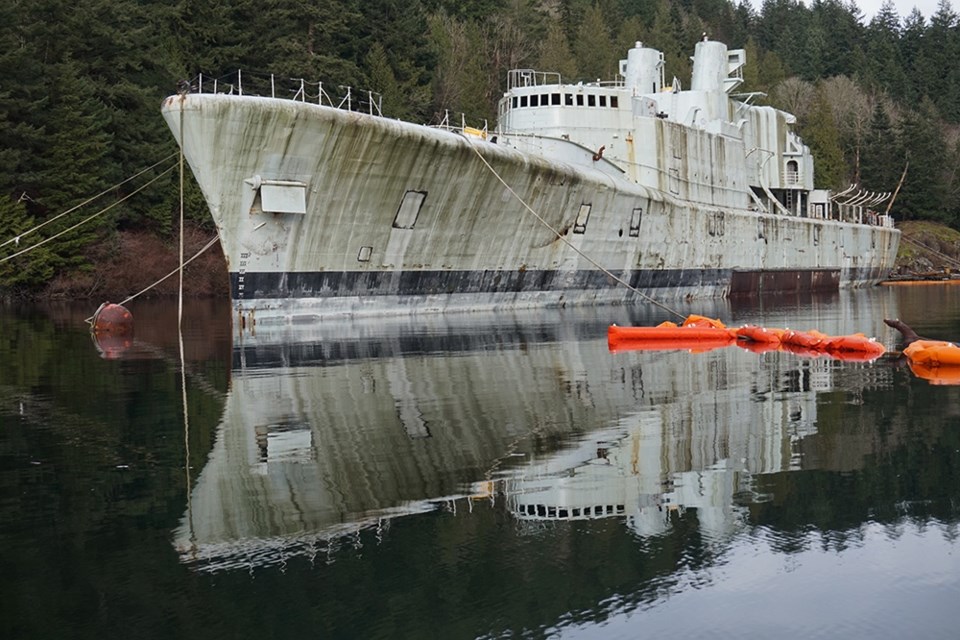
564 99
635 219
409 209
582 217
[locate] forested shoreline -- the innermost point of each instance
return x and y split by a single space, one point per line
81 83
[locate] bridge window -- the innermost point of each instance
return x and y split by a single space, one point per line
534 101
579 99
555 99
591 100
523 101
613 101
568 99
515 102
603 101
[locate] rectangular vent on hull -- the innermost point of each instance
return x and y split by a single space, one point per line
582 217
409 209
281 196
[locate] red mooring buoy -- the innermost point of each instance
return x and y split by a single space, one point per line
112 319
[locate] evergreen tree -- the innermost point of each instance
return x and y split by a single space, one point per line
923 195
814 55
74 161
668 35
821 134
882 159
555 54
384 82
400 27
941 50
842 33
459 81
884 67
20 275
593 46
917 68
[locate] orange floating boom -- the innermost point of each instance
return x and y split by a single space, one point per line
753 333
666 337
854 347
699 333
933 353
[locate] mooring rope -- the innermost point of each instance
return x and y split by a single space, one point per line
568 243
180 288
88 218
19 237
183 360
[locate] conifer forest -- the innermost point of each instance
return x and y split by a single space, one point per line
81 84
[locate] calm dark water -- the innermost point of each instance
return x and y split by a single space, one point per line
476 476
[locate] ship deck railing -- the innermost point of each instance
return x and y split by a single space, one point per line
524 78
269 85
463 127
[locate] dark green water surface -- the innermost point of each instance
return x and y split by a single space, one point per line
476 476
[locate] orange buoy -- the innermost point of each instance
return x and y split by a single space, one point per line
113 319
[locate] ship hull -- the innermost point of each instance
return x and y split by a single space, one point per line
391 217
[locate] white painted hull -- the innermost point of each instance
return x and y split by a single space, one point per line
473 244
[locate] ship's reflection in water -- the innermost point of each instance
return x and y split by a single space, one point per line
341 427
